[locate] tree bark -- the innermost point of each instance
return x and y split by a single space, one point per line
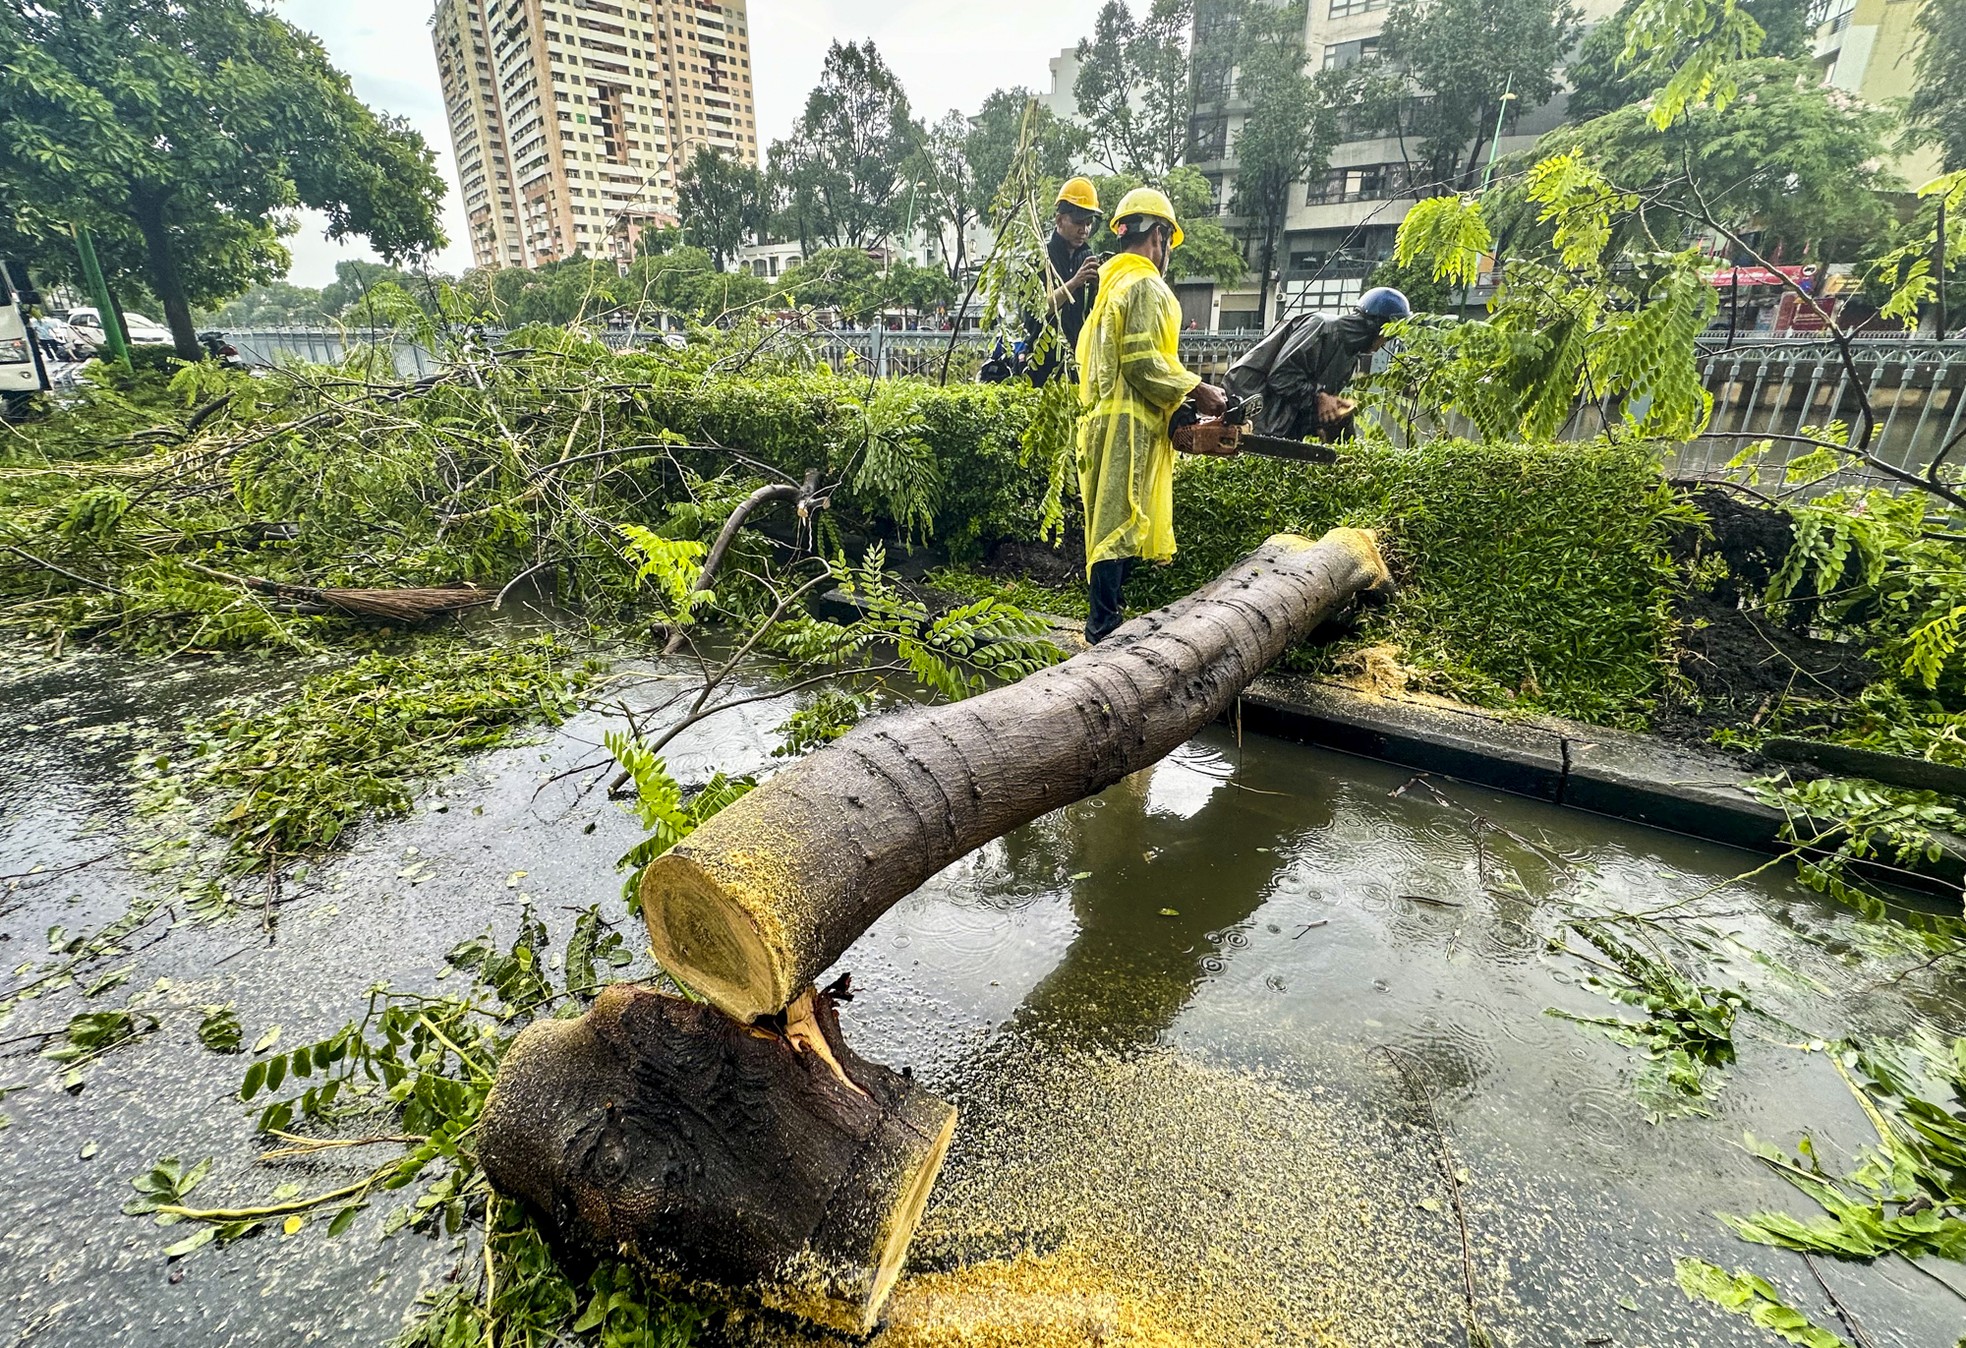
751 907
148 208
769 1159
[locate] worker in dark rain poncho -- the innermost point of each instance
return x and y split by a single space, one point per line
1131 380
1295 374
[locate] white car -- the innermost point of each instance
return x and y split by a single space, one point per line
143 331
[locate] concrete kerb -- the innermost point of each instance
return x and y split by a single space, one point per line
1638 778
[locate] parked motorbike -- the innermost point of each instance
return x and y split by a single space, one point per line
220 350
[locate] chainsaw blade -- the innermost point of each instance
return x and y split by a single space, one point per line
1274 447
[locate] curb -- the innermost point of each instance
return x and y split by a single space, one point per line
1616 773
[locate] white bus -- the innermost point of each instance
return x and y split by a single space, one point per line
22 371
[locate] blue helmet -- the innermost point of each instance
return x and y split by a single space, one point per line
1385 304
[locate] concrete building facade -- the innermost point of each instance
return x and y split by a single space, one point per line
1342 226
1870 48
571 120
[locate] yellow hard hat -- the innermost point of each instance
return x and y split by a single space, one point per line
1148 201
1079 192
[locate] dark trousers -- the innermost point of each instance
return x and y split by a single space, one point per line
1108 609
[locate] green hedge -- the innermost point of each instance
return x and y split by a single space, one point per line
1530 575
958 446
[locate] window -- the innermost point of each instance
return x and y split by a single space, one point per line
1211 136
1328 295
1339 55
1344 9
1363 182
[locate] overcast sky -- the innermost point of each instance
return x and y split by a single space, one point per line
948 54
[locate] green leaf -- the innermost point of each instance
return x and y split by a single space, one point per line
203 1236
1754 1297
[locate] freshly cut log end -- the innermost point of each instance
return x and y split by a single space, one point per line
694 927
717 1153
763 898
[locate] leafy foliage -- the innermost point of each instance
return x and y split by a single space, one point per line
1907 270
1602 81
1287 131
1132 87
1752 1296
843 164
1905 1193
288 781
1687 1029
1447 68
1936 113
220 1031
427 1064
1694 46
1580 528
1799 161
185 134
722 201
1580 319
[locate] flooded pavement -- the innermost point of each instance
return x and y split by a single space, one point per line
1164 1012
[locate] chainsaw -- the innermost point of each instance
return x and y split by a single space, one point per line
1228 435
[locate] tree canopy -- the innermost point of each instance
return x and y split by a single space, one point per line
1287 132
843 166
1448 69
1602 80
722 202
1798 160
185 132
1133 87
848 280
1936 114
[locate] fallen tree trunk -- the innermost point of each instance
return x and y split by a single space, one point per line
750 908
764 1157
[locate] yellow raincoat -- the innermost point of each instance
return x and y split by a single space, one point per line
1130 382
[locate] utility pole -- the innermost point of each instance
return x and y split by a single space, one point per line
1939 268
1494 148
1495 141
112 319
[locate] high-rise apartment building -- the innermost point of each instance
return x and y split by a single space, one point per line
571 120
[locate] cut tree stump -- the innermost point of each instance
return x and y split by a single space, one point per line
766 1157
750 908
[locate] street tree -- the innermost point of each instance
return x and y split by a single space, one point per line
354 279
277 305
722 202
1208 250
185 132
962 162
993 137
1447 70
833 278
843 165
1936 114
1133 88
1796 161
946 186
1287 132
1603 80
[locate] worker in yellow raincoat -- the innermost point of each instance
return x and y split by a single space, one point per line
1130 382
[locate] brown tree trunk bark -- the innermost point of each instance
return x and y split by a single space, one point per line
766 895
148 208
763 1157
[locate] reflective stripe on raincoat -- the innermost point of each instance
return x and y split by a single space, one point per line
1130 382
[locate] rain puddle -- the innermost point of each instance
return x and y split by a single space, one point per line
1190 1025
